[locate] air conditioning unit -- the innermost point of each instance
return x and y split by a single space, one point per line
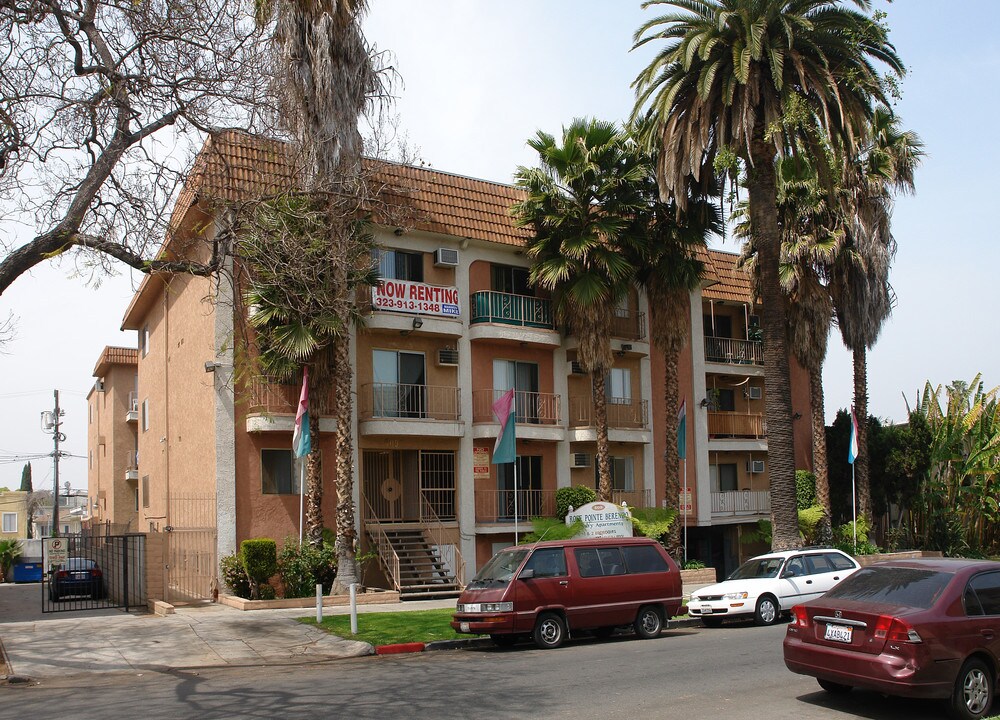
577 368
446 257
99 385
447 356
755 392
755 466
754 321
580 460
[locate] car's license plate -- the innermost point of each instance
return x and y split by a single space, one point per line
838 633
706 609
464 626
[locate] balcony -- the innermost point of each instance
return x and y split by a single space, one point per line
634 498
386 408
497 506
271 406
624 413
628 325
427 505
531 408
507 309
734 425
729 351
132 411
737 503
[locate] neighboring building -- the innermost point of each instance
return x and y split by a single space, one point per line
74 513
13 514
113 412
454 325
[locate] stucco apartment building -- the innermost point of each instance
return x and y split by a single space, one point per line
454 325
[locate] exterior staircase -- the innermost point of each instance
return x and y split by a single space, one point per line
423 575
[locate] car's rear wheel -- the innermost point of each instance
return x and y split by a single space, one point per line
711 622
550 631
504 640
832 687
973 693
648 623
767 611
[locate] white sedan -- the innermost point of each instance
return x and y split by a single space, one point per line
768 585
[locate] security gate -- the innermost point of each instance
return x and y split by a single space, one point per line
190 564
101 571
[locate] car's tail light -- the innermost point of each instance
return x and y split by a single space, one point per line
892 629
95 572
62 574
800 618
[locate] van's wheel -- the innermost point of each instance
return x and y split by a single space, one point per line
973 693
767 611
504 640
550 631
648 623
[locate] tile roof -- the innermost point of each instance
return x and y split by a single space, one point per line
733 283
115 356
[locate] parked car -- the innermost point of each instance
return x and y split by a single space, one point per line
76 576
926 628
550 589
768 585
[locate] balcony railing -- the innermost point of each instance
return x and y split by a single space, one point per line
266 395
427 505
736 425
634 498
132 411
532 408
397 400
741 502
497 506
629 325
507 309
624 413
734 352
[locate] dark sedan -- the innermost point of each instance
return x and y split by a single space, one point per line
77 576
917 628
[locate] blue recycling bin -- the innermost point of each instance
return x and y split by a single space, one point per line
27 572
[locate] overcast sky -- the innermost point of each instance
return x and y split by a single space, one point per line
479 78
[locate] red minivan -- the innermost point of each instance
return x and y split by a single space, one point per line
549 589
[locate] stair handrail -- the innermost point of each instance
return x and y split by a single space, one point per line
435 528
386 553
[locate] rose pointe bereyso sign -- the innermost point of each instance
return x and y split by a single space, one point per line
602 519
416 297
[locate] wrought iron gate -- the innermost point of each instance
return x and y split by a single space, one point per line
190 564
101 571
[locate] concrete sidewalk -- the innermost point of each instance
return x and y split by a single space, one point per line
213 635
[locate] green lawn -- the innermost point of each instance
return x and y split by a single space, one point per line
388 628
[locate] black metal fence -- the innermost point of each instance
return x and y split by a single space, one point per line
102 571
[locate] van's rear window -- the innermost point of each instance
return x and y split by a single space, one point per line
644 559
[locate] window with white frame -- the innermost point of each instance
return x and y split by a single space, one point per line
622 474
10 522
619 386
145 415
144 340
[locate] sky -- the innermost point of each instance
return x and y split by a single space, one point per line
479 78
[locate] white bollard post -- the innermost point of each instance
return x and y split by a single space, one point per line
354 608
319 603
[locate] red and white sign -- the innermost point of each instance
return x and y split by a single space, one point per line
686 506
416 297
480 463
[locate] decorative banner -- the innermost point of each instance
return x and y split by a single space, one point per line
416 297
480 463
601 519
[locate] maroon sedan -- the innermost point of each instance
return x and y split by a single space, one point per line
918 628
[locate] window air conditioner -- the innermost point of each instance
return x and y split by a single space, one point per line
447 356
99 385
580 460
446 257
577 368
755 466
755 392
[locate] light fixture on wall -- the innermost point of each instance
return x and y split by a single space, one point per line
796 416
211 367
704 403
625 348
417 323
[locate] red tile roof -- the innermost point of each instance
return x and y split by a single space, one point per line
732 283
115 356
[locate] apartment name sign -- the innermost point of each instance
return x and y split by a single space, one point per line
416 297
601 519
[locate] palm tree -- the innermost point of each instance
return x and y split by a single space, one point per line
581 203
325 78
859 280
736 77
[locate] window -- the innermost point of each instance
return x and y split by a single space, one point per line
622 475
839 562
619 386
723 477
529 484
137 499
511 280
144 340
986 588
818 564
399 384
724 399
721 326
10 522
643 559
400 265
595 562
145 415
276 473
547 562
145 491
523 378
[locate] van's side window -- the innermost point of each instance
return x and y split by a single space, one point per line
595 562
547 562
644 559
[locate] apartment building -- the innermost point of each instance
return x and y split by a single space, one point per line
453 325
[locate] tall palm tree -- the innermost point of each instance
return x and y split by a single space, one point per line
325 77
734 77
859 279
581 204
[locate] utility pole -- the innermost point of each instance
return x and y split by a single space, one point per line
53 423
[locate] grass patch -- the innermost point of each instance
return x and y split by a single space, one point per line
389 628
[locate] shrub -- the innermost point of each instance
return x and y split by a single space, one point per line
844 538
10 551
694 565
260 560
302 566
576 496
551 529
234 576
805 489
266 592
652 522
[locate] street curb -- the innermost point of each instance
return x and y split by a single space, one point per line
399 648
